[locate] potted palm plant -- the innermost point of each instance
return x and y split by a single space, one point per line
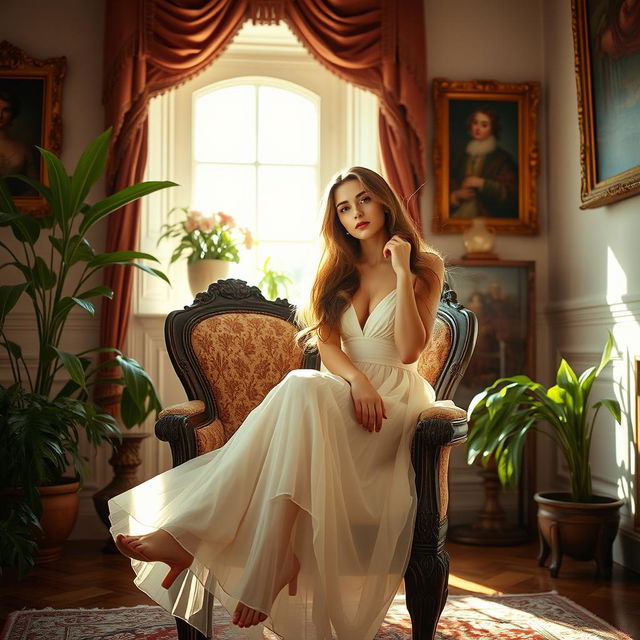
46 412
578 523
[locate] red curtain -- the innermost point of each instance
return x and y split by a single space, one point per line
154 45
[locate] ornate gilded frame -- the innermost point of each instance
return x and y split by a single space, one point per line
15 64
593 192
526 96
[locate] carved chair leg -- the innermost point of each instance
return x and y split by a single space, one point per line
187 632
426 586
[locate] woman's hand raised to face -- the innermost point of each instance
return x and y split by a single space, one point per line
367 403
399 250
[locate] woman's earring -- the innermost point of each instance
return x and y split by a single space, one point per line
347 232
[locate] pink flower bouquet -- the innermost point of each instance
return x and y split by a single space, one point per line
207 236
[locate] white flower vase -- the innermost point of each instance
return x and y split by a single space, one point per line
478 240
203 272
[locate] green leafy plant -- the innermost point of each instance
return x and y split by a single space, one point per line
53 263
272 281
502 415
214 236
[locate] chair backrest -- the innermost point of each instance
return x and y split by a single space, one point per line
232 346
446 357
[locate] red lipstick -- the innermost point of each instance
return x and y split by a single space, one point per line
360 225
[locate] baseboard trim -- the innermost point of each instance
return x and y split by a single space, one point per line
626 549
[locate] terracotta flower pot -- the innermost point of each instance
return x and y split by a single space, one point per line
203 272
581 530
60 504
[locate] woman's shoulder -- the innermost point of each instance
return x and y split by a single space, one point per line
432 259
431 270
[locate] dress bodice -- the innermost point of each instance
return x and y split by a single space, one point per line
374 342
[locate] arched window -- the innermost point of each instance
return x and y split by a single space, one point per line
256 157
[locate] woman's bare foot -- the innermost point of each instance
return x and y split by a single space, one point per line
245 616
158 546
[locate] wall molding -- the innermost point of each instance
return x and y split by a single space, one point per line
592 310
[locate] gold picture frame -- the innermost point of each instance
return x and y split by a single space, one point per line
506 162
606 77
31 96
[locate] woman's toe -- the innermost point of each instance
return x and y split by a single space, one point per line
255 618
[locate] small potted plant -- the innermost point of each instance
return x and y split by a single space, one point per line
578 523
273 281
210 241
44 412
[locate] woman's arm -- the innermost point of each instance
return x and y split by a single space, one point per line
367 403
428 292
415 306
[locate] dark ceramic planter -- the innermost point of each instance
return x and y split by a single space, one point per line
581 530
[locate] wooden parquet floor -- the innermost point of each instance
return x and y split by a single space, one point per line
86 578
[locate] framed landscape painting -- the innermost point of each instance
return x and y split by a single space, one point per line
486 155
30 116
606 35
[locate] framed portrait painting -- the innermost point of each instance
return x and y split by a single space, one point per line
486 155
30 116
606 36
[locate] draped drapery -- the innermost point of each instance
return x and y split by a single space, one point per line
154 45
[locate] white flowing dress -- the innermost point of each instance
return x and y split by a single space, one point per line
355 490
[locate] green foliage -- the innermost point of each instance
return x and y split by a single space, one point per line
18 528
53 263
206 237
502 415
272 281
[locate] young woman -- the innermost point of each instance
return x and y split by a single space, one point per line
315 490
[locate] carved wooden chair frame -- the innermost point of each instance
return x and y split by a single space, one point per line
437 431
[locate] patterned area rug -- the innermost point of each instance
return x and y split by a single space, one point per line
543 616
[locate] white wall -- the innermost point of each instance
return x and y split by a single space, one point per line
498 40
71 28
594 282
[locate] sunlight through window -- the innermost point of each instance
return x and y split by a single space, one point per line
256 157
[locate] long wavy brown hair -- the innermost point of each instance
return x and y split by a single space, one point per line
337 278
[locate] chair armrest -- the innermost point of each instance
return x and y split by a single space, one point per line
440 427
443 424
189 430
189 409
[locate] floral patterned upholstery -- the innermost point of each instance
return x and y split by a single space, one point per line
434 356
211 436
243 356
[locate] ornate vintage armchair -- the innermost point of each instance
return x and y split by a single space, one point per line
231 346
